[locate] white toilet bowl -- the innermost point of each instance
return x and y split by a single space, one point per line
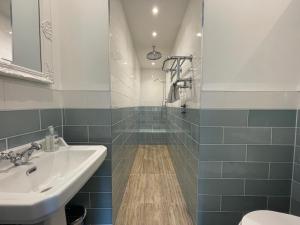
265 217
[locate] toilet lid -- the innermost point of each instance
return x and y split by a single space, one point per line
265 217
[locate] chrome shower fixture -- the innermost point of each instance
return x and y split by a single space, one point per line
154 55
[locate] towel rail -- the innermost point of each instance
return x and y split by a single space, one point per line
176 66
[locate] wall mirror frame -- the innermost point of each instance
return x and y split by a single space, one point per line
9 69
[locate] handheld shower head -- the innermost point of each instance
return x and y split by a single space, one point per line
153 55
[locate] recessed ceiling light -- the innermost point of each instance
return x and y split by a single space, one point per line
154 10
10 32
125 63
153 63
154 34
199 34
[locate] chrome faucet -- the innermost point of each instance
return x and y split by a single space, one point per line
22 157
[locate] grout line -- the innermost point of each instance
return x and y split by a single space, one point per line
40 119
244 187
293 163
6 143
271 135
269 172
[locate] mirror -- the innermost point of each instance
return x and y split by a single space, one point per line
20 33
26 40
5 31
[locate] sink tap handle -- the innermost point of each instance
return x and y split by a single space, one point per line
36 146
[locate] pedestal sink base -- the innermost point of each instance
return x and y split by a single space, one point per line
57 218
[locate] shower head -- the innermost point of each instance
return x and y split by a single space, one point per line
154 55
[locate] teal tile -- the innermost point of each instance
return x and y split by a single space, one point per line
101 200
76 133
222 152
219 218
296 176
221 186
283 136
100 134
18 122
87 117
209 202
3 145
295 191
243 203
272 118
245 170
210 169
81 199
281 171
99 216
279 204
25 139
223 117
51 117
247 136
270 153
211 135
268 187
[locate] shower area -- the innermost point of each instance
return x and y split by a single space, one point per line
204 110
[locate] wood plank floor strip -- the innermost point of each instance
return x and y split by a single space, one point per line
153 195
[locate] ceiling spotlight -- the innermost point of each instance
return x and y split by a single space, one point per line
125 63
199 34
10 32
154 34
153 63
154 10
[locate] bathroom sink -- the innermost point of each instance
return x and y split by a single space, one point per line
30 193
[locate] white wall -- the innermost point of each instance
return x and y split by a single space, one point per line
81 54
81 68
188 43
251 46
124 65
152 87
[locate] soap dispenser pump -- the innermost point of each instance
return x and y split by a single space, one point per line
50 140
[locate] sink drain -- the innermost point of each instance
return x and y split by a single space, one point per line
46 189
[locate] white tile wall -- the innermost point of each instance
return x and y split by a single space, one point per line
152 87
188 43
124 65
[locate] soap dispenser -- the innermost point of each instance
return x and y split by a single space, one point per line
50 140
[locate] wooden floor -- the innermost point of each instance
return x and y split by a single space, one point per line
153 195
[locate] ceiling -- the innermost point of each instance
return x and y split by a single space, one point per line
142 23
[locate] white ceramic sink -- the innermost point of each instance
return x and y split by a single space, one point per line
29 198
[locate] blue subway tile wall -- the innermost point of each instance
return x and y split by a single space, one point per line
19 127
152 125
244 160
92 127
245 163
295 195
125 125
183 144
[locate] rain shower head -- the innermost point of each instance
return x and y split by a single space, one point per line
154 55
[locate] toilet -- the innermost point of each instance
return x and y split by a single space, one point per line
266 217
